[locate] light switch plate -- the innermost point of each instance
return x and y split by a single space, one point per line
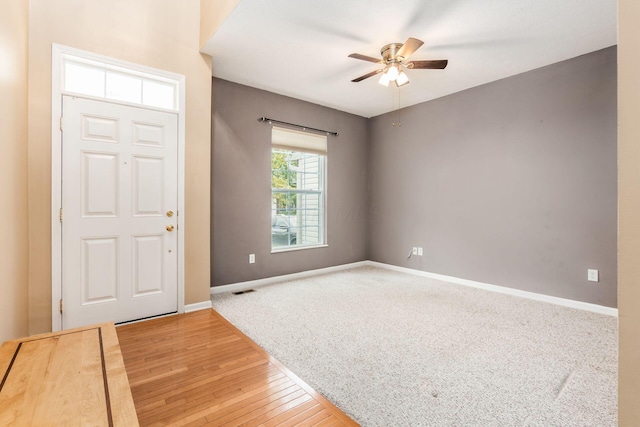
592 275
252 258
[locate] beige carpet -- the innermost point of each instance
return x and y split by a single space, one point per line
393 349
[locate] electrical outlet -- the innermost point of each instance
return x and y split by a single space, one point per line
420 253
414 251
252 258
592 275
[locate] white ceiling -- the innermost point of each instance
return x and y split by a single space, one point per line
299 48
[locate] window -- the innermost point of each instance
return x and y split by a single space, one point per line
86 77
297 189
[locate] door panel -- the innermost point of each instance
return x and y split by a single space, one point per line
100 184
99 263
148 188
104 129
148 264
119 180
148 134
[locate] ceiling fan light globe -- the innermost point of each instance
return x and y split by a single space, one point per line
393 72
384 80
402 79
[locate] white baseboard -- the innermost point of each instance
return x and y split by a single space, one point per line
251 284
188 308
243 286
503 290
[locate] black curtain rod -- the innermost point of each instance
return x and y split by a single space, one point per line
271 121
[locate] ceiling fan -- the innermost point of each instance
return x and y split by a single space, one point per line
394 58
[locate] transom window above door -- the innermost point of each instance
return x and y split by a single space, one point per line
99 80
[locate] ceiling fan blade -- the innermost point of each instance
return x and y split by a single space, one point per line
365 58
366 76
410 46
436 64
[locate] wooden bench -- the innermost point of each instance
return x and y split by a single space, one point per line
72 377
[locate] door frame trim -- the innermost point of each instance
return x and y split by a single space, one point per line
57 52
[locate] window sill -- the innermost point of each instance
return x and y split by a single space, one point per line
297 248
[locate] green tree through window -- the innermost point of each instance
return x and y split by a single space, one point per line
284 177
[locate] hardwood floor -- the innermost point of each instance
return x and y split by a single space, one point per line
197 369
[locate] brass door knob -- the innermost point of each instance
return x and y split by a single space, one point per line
169 227
169 214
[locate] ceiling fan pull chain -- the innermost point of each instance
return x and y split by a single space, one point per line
397 109
399 122
393 105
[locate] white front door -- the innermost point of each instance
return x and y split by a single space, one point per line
119 207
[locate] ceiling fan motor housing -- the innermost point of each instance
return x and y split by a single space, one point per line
389 52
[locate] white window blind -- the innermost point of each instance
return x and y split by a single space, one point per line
287 139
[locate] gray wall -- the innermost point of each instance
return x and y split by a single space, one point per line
511 183
241 186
